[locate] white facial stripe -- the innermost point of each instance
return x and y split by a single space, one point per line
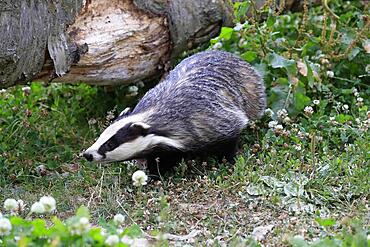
113 128
140 144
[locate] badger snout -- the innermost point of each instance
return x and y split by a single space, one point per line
88 156
91 155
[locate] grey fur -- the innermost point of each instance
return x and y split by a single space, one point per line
200 101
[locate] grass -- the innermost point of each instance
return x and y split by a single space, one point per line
302 176
272 182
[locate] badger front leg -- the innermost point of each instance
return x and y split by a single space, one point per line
161 164
228 149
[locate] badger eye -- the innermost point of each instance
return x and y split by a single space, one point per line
111 144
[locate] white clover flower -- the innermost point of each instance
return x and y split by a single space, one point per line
133 89
49 203
279 127
272 124
92 121
359 99
127 240
81 226
5 226
38 208
316 102
269 112
301 134
84 221
330 74
238 27
286 120
10 204
331 118
345 107
217 46
2 91
119 219
139 178
282 113
26 89
112 240
308 110
298 147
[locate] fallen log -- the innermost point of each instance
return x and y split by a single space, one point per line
102 42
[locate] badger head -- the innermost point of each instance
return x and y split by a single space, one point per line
128 137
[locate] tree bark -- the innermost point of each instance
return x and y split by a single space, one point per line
102 42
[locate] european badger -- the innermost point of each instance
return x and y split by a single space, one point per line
199 109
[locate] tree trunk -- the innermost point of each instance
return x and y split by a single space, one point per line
103 42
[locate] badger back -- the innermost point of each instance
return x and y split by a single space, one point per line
210 76
234 79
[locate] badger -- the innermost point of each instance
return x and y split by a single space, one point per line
198 110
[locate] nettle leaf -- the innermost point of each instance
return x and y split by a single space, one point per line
301 101
132 231
271 21
249 56
59 227
279 94
310 77
39 228
310 47
341 118
325 222
241 9
226 33
83 212
277 61
96 235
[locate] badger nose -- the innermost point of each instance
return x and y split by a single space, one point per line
88 156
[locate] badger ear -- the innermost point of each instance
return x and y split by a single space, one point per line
125 112
140 128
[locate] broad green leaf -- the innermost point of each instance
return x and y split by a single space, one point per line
226 33
341 118
325 222
133 231
83 212
241 9
39 228
277 61
300 101
249 56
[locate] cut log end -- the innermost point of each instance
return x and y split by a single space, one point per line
124 45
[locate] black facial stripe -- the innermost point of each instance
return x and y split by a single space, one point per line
123 135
